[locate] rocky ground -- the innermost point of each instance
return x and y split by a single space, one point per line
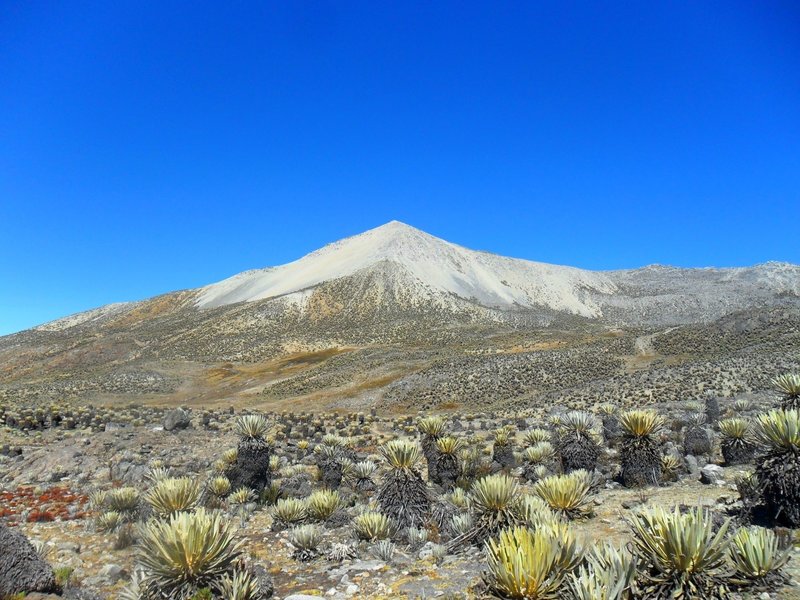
95 410
405 366
48 476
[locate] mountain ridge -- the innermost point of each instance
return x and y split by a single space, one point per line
423 269
397 317
492 280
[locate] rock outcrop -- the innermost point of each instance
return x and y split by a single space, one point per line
21 568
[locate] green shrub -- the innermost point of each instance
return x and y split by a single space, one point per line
568 495
186 552
242 586
372 526
252 427
289 511
756 554
321 504
306 540
173 495
686 558
526 564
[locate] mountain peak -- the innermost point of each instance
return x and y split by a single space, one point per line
394 225
424 270
391 241
430 265
393 230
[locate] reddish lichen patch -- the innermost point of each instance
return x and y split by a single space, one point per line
57 503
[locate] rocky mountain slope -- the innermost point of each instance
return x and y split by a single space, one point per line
396 269
397 316
428 270
418 269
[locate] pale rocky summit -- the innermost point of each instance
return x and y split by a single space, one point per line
432 271
396 267
397 316
427 270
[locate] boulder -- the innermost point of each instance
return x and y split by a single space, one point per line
21 567
113 573
264 579
426 551
297 486
176 419
711 474
692 464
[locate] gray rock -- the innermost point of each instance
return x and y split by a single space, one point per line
113 573
297 486
265 584
691 465
366 565
21 568
710 474
426 551
56 475
72 547
175 419
74 593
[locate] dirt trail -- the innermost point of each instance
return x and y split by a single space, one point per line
644 343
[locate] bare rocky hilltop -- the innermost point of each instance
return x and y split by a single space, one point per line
393 417
397 318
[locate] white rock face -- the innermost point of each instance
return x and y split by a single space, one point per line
398 270
436 267
96 314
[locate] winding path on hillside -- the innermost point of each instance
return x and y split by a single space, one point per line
644 343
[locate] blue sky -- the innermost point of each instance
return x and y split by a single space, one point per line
153 146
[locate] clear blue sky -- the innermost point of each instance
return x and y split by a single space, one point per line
153 146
